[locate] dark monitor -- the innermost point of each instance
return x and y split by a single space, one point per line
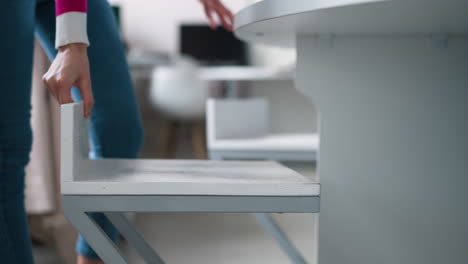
212 47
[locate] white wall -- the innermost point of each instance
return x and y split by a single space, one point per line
152 25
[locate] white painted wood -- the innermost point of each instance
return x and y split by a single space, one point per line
93 233
278 21
240 129
244 73
74 141
169 177
287 142
194 203
121 185
134 238
281 156
153 177
237 119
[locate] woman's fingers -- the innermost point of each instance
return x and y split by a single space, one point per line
209 15
64 96
87 94
59 88
50 86
226 20
70 67
63 88
225 16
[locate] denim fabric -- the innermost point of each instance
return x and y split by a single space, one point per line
115 130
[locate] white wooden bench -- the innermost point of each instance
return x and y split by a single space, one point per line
115 186
240 129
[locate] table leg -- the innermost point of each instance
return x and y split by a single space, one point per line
393 147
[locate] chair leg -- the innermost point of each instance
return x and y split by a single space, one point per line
270 225
92 232
198 140
134 238
167 139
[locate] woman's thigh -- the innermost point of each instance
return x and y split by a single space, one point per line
116 127
16 51
116 130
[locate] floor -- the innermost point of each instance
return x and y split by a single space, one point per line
46 255
215 238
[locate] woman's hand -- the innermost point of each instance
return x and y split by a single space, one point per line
70 68
225 15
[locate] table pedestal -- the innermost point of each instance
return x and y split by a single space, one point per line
394 147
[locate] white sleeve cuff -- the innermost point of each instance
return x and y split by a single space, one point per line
71 28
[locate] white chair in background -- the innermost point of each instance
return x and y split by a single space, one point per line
240 129
114 186
178 92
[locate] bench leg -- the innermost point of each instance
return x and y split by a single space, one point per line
92 232
270 225
134 238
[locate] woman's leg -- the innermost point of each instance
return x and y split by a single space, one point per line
16 50
116 130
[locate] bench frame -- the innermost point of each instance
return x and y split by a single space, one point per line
76 207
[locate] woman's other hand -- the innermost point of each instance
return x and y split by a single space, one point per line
226 17
70 68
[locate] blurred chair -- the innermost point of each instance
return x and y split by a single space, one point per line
179 93
240 129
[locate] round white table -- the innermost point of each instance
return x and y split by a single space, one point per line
390 80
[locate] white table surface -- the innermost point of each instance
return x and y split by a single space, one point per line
278 21
189 177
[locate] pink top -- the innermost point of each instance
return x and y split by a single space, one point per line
64 6
71 22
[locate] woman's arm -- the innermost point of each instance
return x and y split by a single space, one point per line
71 22
70 67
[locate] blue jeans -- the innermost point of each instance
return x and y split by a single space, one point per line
115 123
